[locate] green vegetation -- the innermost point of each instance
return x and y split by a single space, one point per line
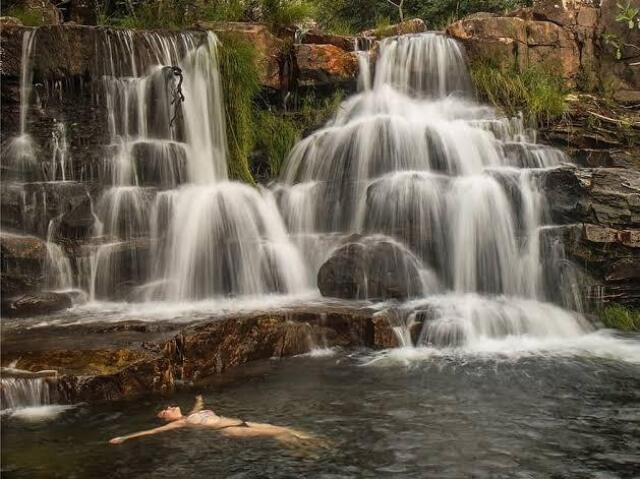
240 83
620 317
358 15
29 17
276 134
175 14
280 13
535 91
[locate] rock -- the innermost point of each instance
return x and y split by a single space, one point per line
121 266
560 35
344 42
414 25
318 65
30 207
608 259
117 360
614 73
10 22
605 196
370 268
35 304
23 260
270 49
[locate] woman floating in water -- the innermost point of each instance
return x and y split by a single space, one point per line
205 418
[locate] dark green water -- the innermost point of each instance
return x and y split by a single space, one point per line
534 417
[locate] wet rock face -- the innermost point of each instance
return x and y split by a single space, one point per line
23 261
605 196
377 269
35 304
602 207
609 259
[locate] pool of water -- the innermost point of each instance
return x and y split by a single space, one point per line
389 415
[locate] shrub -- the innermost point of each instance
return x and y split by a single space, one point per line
620 317
535 91
240 84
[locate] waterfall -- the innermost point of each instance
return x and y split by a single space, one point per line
21 150
170 224
417 159
22 392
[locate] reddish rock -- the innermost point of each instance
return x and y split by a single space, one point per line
324 64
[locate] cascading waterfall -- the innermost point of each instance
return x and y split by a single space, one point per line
170 215
417 159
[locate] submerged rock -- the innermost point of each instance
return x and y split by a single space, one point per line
370 269
45 302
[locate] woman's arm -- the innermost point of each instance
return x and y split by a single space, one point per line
150 432
198 406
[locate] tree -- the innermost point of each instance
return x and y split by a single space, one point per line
398 4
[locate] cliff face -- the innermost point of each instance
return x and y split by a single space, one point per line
578 39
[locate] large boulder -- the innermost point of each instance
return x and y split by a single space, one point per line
324 65
370 268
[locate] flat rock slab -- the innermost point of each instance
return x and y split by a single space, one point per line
108 361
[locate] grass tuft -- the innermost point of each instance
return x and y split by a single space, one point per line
276 134
620 317
535 91
240 83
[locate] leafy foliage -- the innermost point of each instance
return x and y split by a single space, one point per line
365 14
535 91
619 317
280 13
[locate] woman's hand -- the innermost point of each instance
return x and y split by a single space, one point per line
117 440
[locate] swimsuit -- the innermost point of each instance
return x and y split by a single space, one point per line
205 414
